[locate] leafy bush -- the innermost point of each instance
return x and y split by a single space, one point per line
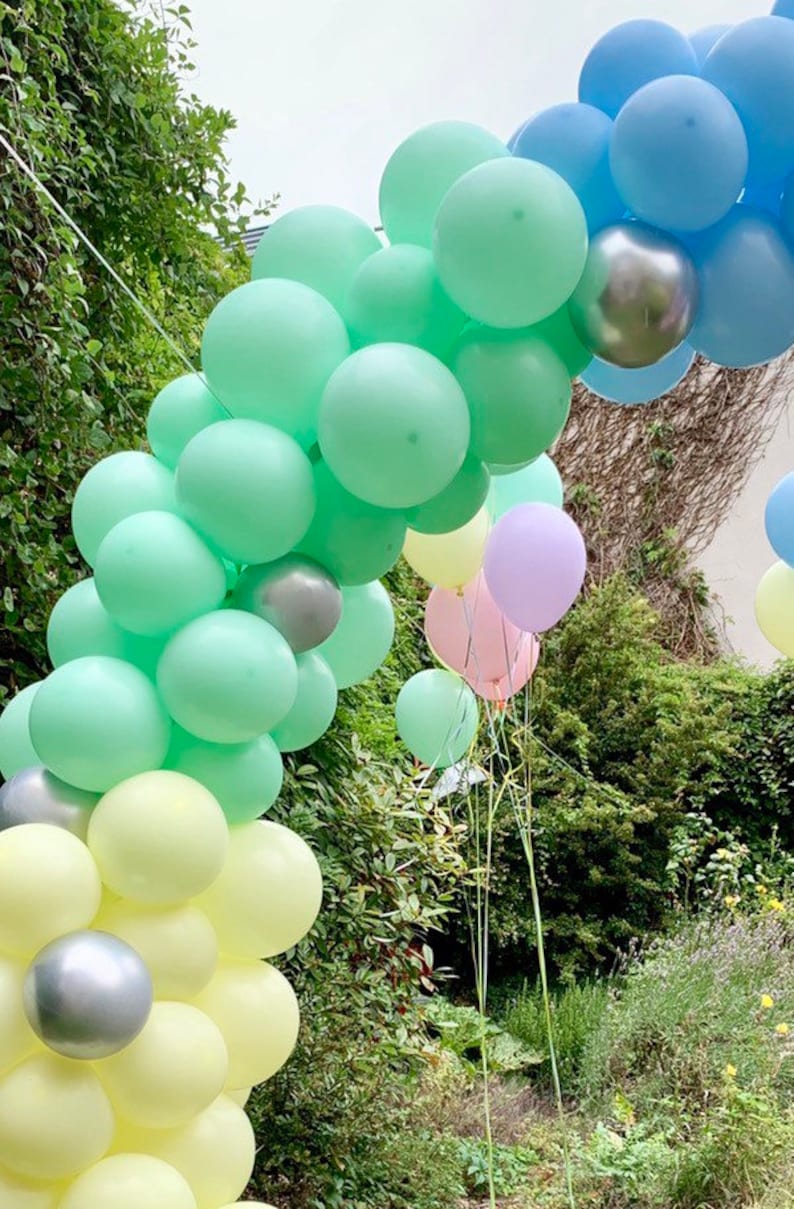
462 1030
576 1014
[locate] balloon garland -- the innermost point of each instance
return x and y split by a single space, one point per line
356 401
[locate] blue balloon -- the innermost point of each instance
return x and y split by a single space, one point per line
632 386
574 141
784 8
764 197
704 39
746 271
779 519
787 210
753 64
679 154
630 55
511 142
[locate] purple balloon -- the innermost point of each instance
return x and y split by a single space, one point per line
535 563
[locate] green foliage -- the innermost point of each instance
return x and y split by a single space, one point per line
576 1012
510 1166
462 1030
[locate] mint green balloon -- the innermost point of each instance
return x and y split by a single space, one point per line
247 488
437 717
394 426
269 348
320 246
96 721
181 409
510 242
118 486
154 573
353 540
456 504
81 625
245 778
559 332
363 636
537 483
16 749
421 171
496 469
314 707
228 677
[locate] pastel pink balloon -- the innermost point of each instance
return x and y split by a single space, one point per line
516 679
469 632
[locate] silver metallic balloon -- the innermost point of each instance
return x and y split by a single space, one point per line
296 595
637 298
34 795
87 995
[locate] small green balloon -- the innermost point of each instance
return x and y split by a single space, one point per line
245 778
320 246
247 488
537 483
496 469
423 169
81 625
559 332
314 707
16 749
181 409
510 242
437 717
154 573
363 637
518 391
114 488
456 504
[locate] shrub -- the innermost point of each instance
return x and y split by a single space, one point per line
576 1014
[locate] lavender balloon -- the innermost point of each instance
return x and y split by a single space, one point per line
535 564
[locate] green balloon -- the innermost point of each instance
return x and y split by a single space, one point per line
363 636
269 348
16 749
351 539
81 625
496 469
423 169
396 297
559 332
154 573
320 246
510 242
247 488
537 483
437 717
181 409
456 504
245 778
314 708
394 426
96 721
518 391
228 677
118 486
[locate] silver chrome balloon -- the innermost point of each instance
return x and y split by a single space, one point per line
34 795
638 296
87 995
296 595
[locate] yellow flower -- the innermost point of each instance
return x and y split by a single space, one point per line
731 900
761 890
767 1001
730 1071
782 1030
776 905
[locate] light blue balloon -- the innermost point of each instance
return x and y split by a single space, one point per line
679 154
780 519
764 197
633 386
630 55
511 142
703 40
537 483
787 210
784 8
574 141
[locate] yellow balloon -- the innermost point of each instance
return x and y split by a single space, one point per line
774 608
178 944
449 560
240 1095
256 1010
173 1069
20 1194
49 885
129 1181
55 1119
160 837
268 894
17 1038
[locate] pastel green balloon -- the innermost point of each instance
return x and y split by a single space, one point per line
320 246
114 488
510 242
559 332
774 608
16 748
269 348
228 677
247 488
537 483
456 504
437 717
363 636
396 297
423 169
96 721
518 391
353 540
394 426
81 625
245 778
181 409
314 707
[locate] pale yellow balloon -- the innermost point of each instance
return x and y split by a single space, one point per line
250 1204
178 944
449 560
774 608
49 885
129 1181
55 1118
17 1038
240 1095
16 1193
268 894
256 1010
160 837
173 1069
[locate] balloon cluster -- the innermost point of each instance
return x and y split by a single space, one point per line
774 600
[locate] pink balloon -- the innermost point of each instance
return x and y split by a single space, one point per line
535 563
516 679
470 634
